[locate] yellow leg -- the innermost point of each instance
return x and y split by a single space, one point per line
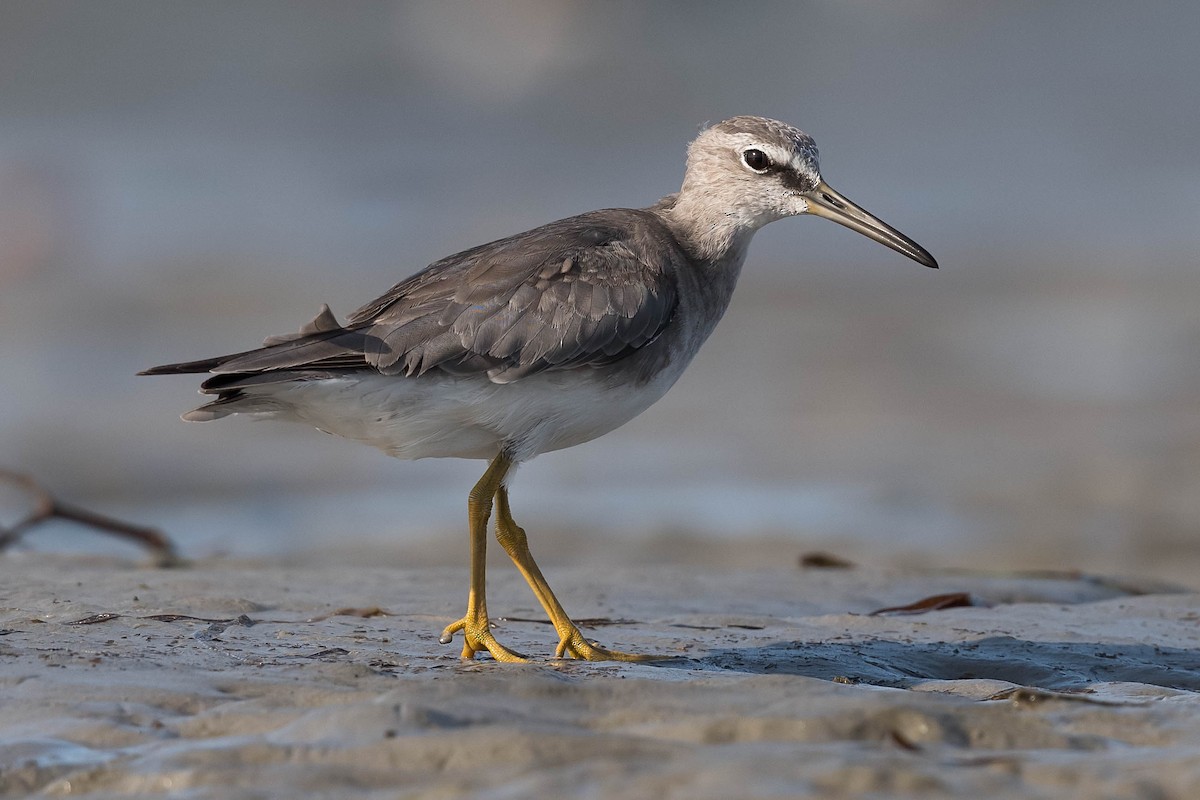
571 642
476 628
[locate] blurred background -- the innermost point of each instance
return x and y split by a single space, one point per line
181 180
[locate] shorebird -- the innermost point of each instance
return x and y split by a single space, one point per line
540 341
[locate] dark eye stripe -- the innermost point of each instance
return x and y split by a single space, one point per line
796 181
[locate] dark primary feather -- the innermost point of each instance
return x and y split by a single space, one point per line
582 291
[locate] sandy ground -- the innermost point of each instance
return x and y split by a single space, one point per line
249 679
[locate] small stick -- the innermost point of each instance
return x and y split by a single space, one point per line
49 507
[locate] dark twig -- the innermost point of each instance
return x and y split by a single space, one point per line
48 507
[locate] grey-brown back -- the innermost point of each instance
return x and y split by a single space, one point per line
583 291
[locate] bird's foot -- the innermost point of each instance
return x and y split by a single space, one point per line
477 635
574 645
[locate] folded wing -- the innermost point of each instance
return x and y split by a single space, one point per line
584 291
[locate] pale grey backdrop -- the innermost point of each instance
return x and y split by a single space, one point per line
180 180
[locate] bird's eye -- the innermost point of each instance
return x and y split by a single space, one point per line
756 160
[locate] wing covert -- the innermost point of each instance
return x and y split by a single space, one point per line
582 291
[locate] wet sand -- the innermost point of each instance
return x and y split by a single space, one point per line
235 678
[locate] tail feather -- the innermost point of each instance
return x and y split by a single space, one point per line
320 348
322 342
234 402
186 367
223 383
340 346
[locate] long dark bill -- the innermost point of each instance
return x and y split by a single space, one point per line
825 202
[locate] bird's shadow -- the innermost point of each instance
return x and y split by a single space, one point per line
1054 665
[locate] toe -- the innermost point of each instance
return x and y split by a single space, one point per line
576 646
477 636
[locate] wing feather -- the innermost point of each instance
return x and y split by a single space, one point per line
583 291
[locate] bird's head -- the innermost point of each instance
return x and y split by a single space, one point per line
759 170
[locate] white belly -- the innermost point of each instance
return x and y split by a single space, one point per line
443 416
